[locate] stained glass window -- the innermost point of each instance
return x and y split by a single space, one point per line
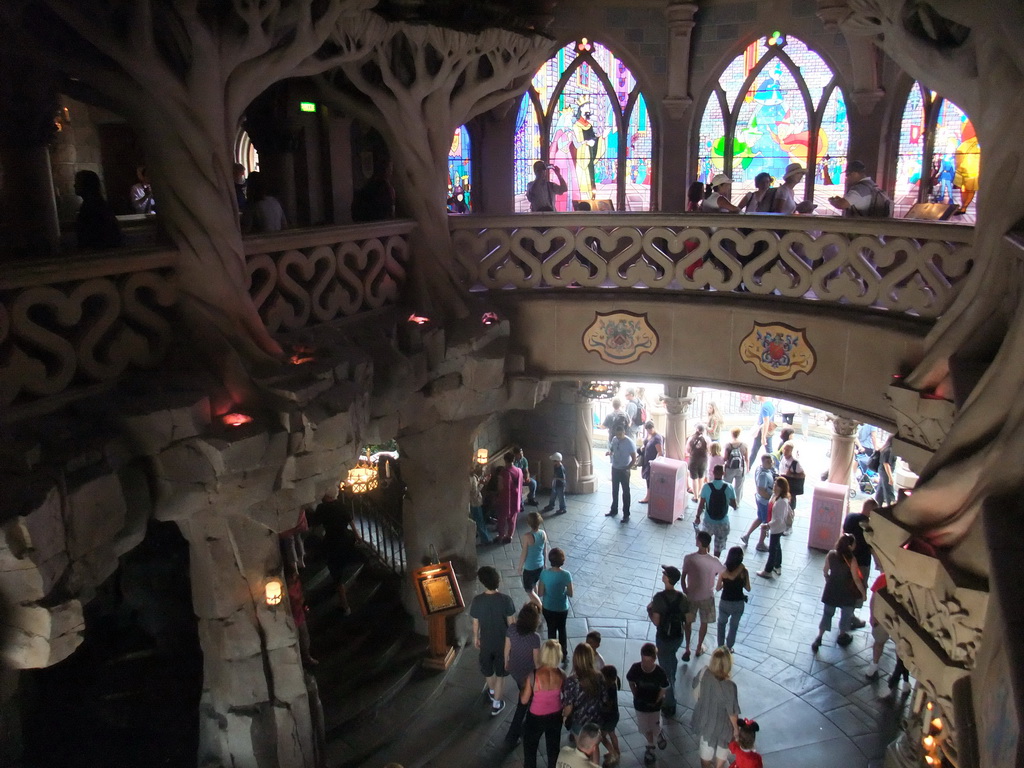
459 176
787 108
938 151
585 115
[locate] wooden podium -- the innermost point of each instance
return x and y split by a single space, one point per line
439 596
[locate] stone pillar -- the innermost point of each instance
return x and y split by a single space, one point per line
435 468
583 447
843 430
28 208
676 432
254 709
680 24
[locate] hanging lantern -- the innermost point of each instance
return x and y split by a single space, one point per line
599 390
273 592
361 478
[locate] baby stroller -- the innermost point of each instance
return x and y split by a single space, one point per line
865 477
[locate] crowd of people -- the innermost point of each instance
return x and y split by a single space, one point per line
705 592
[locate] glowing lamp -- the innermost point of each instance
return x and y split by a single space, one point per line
307 106
929 760
273 592
236 419
928 742
418 319
361 479
489 318
299 360
937 724
482 456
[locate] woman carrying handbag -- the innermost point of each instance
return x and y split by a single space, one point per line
844 589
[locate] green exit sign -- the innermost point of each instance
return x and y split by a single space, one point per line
307 106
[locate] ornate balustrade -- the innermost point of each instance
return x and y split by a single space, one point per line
307 277
71 326
907 266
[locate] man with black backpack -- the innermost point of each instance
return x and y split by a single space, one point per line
668 612
716 497
615 420
863 198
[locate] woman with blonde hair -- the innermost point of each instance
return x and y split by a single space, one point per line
714 420
542 692
715 713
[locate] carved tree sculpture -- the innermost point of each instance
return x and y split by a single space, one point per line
182 72
971 54
416 89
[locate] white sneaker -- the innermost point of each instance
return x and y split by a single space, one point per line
745 540
778 571
871 671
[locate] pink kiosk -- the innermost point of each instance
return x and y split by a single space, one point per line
668 490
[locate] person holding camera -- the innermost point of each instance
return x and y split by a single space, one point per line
541 192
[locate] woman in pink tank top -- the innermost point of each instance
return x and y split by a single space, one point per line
543 690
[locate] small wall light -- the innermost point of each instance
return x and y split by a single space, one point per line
273 592
482 455
236 419
418 319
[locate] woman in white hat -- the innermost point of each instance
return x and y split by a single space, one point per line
785 199
717 198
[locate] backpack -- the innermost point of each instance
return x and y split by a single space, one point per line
643 412
718 502
735 457
672 621
619 419
698 445
880 206
639 415
767 202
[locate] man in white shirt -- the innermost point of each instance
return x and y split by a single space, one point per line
863 196
583 754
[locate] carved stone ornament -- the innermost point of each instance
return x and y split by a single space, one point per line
843 426
620 337
778 351
920 420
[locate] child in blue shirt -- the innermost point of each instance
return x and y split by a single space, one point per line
557 485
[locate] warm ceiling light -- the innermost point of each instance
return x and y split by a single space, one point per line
418 319
482 456
236 419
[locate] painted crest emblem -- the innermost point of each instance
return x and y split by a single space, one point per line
778 351
620 337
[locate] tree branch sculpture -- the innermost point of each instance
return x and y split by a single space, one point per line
182 72
969 53
417 88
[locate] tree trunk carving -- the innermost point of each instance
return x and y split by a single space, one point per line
182 73
417 88
969 53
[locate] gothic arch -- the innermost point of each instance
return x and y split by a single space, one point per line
606 156
763 111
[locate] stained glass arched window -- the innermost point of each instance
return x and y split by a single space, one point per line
776 103
459 176
584 114
938 159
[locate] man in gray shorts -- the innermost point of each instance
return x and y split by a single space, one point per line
700 573
492 612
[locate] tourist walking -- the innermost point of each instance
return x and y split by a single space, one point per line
764 484
668 611
731 583
780 514
476 503
522 657
554 590
715 714
610 714
715 499
509 499
715 421
616 419
542 694
584 691
529 481
584 753
697 463
844 589
765 428
649 684
557 484
743 748
853 524
531 559
793 471
492 612
623 457
736 455
699 576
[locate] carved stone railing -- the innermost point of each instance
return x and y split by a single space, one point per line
299 278
906 266
71 326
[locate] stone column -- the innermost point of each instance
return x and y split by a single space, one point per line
435 469
677 404
254 708
680 24
843 430
583 447
28 110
